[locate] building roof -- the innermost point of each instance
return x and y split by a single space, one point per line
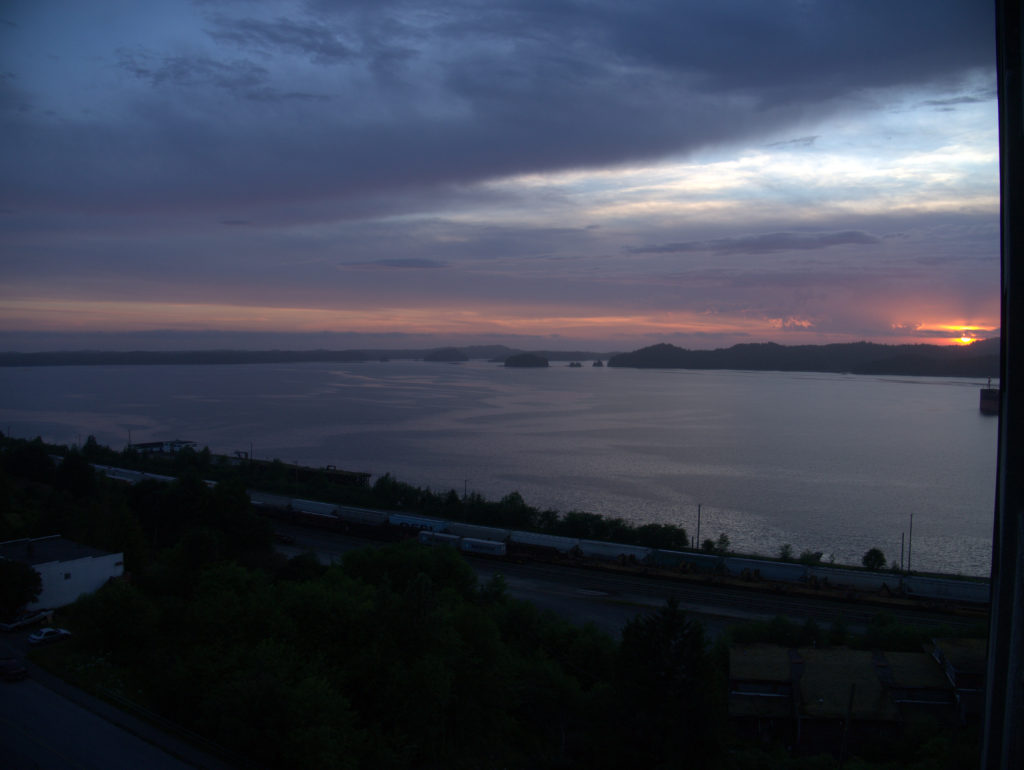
916 670
759 663
966 655
42 550
827 678
761 706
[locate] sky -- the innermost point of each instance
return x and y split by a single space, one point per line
546 174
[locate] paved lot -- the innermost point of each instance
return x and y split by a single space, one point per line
47 724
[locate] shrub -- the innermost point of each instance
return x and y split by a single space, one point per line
873 558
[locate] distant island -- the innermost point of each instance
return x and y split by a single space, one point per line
496 353
980 359
526 360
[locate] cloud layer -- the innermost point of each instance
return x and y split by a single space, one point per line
497 163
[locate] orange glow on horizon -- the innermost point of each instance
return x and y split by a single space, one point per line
961 334
623 329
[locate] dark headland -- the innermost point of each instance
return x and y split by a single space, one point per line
980 359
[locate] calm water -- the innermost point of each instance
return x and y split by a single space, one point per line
830 463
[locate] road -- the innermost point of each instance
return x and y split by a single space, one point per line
610 599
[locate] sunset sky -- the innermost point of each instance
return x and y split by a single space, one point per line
540 173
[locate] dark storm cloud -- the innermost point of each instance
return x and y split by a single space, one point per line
957 100
764 244
407 95
787 52
193 71
803 141
241 78
314 40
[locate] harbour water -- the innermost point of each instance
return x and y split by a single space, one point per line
830 463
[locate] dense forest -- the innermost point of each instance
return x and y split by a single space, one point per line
397 657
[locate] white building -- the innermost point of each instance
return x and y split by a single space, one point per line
68 569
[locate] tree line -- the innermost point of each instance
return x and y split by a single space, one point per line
398 657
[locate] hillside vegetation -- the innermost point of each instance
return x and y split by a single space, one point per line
396 658
980 359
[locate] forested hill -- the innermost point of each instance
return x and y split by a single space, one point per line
980 359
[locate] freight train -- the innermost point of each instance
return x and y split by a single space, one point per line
497 542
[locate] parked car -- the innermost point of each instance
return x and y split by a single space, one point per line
11 670
47 635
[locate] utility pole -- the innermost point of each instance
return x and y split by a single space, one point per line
910 541
698 526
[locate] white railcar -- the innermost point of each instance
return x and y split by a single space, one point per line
312 506
972 591
479 546
426 537
478 531
556 542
